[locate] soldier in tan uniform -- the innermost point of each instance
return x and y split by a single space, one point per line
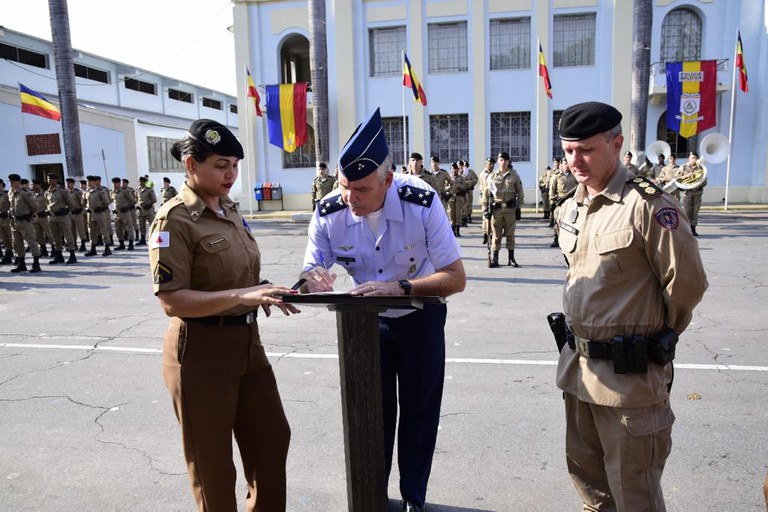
482 180
667 175
634 277
97 201
43 232
23 208
77 213
322 184
562 183
657 168
505 190
470 176
544 189
61 225
456 190
168 190
5 226
206 268
631 168
146 205
126 184
690 199
441 177
125 203
416 168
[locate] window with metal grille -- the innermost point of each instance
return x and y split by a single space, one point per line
449 137
510 43
681 36
141 86
233 108
447 47
16 54
511 132
303 156
680 145
212 103
97 75
393 131
175 94
160 159
574 40
557 146
386 50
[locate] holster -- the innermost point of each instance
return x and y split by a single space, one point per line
557 326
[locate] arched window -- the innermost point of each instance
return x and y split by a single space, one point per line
679 144
303 156
294 60
680 36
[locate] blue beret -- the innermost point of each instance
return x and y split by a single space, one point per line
366 150
585 120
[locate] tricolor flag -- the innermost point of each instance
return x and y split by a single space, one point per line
32 102
691 96
252 92
410 81
743 85
287 115
544 73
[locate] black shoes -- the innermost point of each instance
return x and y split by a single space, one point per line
693 230
407 506
511 261
555 242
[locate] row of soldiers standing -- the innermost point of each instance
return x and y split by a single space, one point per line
59 214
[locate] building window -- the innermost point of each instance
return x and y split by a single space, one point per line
211 103
393 131
233 108
574 40
386 47
447 47
175 94
43 144
449 137
511 132
557 145
680 145
16 54
681 36
141 86
97 75
160 159
511 43
294 60
303 156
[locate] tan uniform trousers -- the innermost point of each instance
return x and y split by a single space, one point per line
483 209
23 231
77 225
99 224
456 206
221 382
5 234
616 455
145 219
691 203
61 228
124 225
42 230
468 200
503 224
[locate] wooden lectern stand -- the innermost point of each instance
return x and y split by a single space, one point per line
357 323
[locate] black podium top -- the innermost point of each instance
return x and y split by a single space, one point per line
345 300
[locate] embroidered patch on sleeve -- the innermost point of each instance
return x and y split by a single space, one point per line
160 240
163 273
668 218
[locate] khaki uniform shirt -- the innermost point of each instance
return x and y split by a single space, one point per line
633 269
561 184
97 198
482 180
5 203
441 178
322 186
22 202
76 199
457 185
168 193
688 168
471 178
633 170
545 179
42 202
146 197
194 248
123 199
667 174
57 198
427 177
508 187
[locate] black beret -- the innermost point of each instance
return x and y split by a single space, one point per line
435 158
416 156
213 136
142 179
36 181
52 175
585 120
126 180
366 150
83 181
489 160
504 155
70 180
24 181
14 177
115 180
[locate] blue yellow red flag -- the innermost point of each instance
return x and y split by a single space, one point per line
410 81
691 96
287 115
742 67
544 73
32 102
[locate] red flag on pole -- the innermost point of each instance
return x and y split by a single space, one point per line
410 81
544 73
743 85
252 92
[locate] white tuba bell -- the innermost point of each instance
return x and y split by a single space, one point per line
656 148
714 148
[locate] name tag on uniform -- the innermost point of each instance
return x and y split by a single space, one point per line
567 227
160 240
345 259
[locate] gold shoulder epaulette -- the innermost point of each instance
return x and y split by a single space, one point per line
645 186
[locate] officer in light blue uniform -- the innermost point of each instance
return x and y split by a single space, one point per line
390 232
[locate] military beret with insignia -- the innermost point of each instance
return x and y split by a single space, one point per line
212 136
416 156
366 150
585 120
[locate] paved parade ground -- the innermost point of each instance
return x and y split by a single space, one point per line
86 423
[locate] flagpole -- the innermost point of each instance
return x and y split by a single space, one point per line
730 122
24 130
405 127
248 142
538 124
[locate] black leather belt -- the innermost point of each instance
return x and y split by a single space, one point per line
222 321
593 349
60 213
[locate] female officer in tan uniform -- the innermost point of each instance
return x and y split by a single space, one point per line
206 264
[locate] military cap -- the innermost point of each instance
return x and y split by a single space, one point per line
142 179
126 180
504 155
83 181
52 175
36 181
416 156
165 179
213 136
115 180
70 180
24 181
14 177
585 120
489 160
366 150
435 158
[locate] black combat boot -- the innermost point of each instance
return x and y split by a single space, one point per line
469 219
546 214
82 246
8 258
555 242
142 241
495 259
120 247
58 257
92 252
35 265
136 233
107 252
130 245
511 260
21 266
72 258
693 230
463 222
485 238
44 251
551 222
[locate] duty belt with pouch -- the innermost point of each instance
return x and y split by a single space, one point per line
27 217
60 212
43 213
125 209
99 209
225 321
147 207
4 215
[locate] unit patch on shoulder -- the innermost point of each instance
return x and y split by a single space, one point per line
331 205
160 240
163 273
645 187
416 195
668 218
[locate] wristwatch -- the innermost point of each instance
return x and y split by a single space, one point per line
405 285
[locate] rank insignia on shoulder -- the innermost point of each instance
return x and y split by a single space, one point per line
416 195
668 218
163 273
646 187
331 205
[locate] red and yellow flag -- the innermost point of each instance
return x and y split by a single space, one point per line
544 73
32 102
252 92
691 96
743 84
410 81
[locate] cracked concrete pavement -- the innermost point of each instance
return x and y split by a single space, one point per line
86 423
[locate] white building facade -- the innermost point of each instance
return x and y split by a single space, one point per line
477 60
